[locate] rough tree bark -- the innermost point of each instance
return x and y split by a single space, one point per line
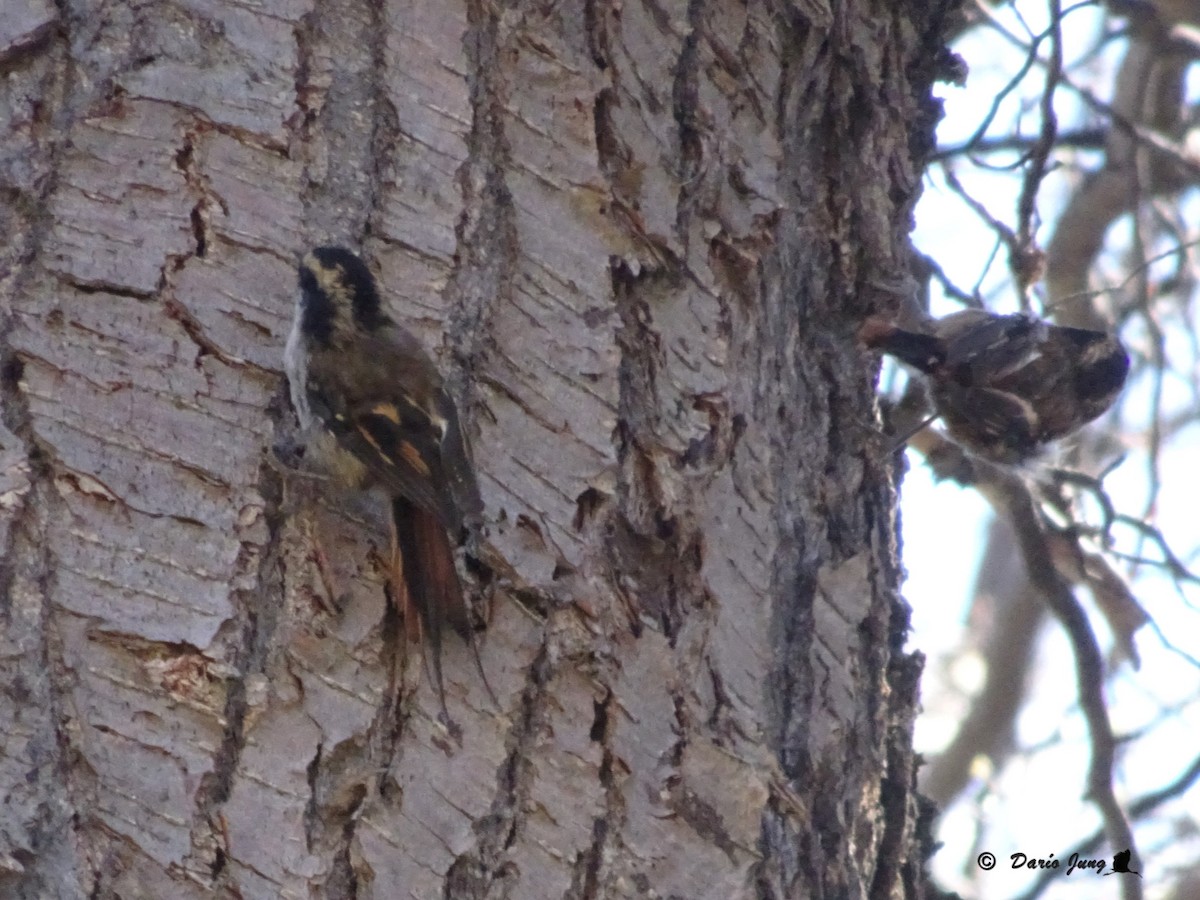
640 236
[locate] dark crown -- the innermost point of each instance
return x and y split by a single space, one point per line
333 279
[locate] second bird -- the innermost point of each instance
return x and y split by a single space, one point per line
1007 385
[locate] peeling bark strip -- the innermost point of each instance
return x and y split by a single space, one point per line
638 229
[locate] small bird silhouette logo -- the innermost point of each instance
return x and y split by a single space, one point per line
1121 864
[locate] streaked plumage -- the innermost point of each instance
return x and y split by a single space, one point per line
377 415
1005 386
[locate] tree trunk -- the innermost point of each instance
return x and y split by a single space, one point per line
639 237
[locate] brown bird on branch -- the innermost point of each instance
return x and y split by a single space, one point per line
1006 385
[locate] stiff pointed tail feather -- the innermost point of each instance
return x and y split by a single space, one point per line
923 352
426 584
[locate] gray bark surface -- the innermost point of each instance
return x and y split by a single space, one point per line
638 236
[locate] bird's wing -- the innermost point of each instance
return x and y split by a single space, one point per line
996 424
